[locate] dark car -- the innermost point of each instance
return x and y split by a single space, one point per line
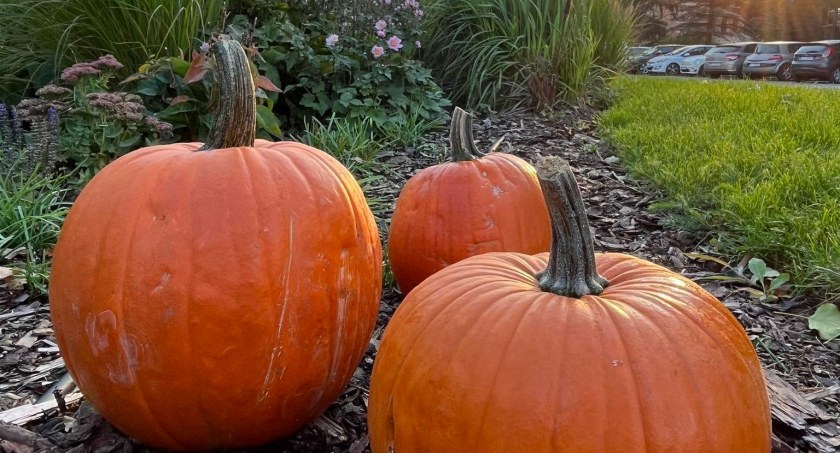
818 60
639 62
728 59
772 59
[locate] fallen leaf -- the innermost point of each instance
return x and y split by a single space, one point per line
826 321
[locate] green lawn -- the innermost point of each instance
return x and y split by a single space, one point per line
755 163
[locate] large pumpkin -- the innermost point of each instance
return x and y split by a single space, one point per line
507 352
473 205
218 295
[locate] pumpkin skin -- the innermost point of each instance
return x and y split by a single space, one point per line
454 210
478 359
222 298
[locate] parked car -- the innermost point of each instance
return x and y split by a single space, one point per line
670 63
820 60
728 59
693 65
635 51
639 63
772 59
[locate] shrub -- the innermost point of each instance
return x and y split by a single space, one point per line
351 60
97 125
505 53
181 93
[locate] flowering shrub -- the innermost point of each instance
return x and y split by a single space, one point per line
346 59
96 125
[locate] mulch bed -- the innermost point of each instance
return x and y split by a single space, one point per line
618 211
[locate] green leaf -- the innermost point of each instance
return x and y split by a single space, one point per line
758 268
149 87
179 66
131 142
267 121
175 110
778 282
826 321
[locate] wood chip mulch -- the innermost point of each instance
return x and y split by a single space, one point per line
803 370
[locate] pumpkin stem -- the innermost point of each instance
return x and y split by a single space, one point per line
461 137
571 263
236 115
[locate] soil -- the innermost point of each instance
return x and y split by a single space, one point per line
619 211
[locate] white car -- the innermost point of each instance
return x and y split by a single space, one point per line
693 65
670 63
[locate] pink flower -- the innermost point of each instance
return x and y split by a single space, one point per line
381 24
387 2
332 40
377 51
394 43
380 33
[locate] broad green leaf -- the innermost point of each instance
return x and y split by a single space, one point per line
175 110
757 267
148 87
826 321
179 66
778 282
267 121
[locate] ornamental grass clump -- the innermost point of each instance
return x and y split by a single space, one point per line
535 53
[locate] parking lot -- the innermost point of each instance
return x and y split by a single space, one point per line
814 64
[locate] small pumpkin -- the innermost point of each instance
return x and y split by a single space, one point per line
217 295
566 351
475 204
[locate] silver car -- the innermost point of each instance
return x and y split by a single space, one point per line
772 59
728 59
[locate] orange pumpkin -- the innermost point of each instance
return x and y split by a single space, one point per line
467 207
568 351
221 295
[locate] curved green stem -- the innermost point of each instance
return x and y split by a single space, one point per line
236 116
571 263
461 137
